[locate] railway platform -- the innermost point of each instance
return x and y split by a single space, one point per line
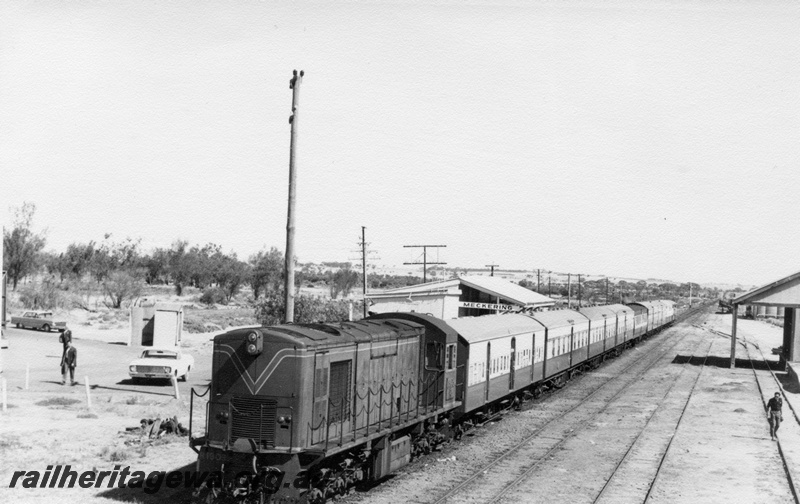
758 364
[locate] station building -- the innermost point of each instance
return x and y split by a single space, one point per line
785 294
465 296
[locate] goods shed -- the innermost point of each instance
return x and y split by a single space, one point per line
783 293
465 296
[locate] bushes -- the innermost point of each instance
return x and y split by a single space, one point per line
213 295
41 296
270 310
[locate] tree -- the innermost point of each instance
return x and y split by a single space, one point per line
180 265
21 245
267 271
156 266
119 286
343 282
230 273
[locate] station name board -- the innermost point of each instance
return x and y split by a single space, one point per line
486 306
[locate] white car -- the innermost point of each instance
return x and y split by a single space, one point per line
162 363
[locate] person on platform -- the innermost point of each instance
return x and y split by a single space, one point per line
774 415
68 362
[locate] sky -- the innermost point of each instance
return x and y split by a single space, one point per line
644 139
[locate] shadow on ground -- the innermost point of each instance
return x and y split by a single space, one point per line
153 493
725 362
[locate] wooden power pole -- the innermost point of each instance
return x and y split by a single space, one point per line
364 267
294 85
493 266
424 262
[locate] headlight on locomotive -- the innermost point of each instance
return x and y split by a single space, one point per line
255 343
167 369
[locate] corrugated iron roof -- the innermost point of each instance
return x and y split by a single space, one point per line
507 290
487 327
784 292
494 286
559 318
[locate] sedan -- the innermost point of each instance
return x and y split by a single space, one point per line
162 363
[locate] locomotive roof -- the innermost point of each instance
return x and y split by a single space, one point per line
559 318
487 327
313 335
598 312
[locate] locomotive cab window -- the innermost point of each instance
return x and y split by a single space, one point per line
434 356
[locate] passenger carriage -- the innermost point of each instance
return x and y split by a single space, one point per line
602 329
502 354
566 339
625 323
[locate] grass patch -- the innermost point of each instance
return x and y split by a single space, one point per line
88 414
58 402
114 454
197 320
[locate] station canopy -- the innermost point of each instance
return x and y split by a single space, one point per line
784 292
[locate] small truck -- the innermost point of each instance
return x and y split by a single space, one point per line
41 320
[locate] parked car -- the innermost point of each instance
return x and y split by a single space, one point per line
39 320
161 363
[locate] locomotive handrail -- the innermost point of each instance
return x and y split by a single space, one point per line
191 415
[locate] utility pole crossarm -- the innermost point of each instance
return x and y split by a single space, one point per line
424 262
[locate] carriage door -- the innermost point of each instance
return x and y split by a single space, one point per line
488 370
319 418
513 362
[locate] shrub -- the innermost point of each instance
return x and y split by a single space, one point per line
213 295
41 296
270 310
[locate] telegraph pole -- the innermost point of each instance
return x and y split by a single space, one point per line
549 285
569 290
493 267
606 290
424 262
364 267
294 85
539 281
579 291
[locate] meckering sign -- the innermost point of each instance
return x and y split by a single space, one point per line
486 306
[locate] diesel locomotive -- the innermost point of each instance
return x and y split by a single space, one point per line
301 412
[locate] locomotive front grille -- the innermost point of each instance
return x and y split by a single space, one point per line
254 418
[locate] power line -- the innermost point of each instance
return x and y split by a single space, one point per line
424 262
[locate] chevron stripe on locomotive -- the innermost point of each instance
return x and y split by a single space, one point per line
302 412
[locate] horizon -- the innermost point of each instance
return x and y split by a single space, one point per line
640 139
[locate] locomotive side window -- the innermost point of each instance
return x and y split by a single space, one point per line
321 385
451 356
340 391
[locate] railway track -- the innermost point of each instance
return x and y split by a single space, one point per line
497 479
610 491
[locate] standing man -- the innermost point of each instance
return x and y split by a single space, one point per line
68 361
65 338
774 414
